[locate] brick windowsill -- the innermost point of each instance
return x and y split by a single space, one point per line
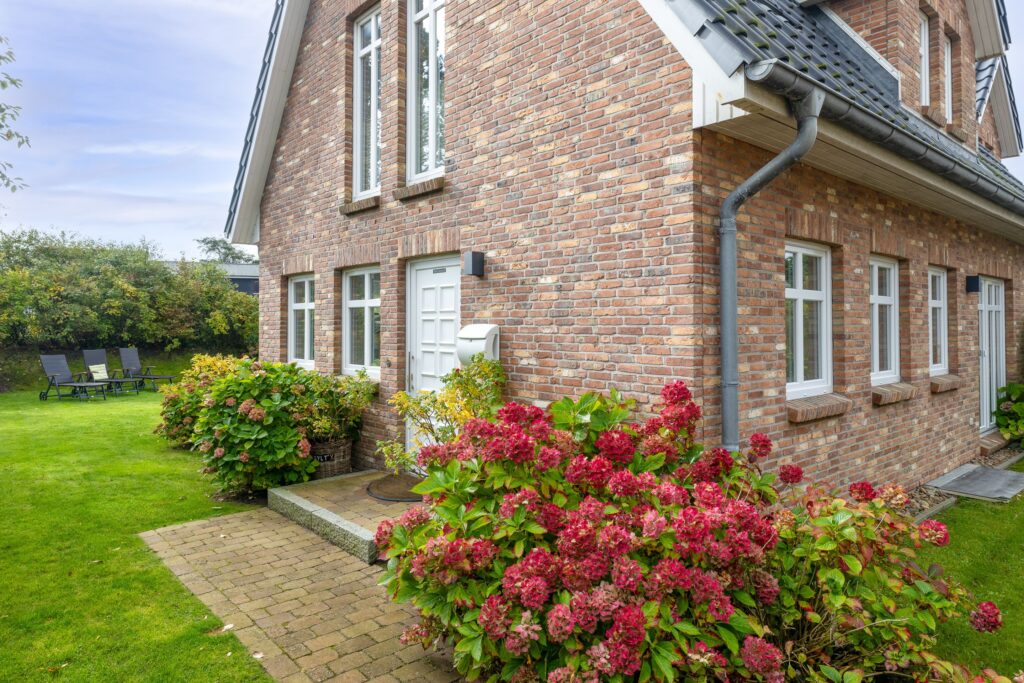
418 189
817 407
359 205
944 383
887 394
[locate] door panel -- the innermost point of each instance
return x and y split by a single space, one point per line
992 347
433 321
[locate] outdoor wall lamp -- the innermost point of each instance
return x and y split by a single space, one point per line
473 263
973 284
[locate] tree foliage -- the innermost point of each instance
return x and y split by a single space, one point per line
219 249
9 114
62 291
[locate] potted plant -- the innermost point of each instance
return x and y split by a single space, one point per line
334 416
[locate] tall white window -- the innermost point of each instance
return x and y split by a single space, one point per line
300 320
925 73
938 322
947 55
366 117
885 328
426 89
808 320
361 321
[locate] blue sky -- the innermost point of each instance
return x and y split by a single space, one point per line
137 108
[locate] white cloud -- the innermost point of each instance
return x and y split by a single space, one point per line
163 149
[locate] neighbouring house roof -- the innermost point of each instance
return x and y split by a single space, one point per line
272 87
233 270
809 43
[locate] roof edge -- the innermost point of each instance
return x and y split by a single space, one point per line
272 86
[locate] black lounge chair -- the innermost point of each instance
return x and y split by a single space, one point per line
59 376
98 371
132 368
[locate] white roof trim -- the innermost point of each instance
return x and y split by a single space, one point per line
987 28
243 225
1002 114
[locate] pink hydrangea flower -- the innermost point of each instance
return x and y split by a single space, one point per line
560 623
760 656
934 531
986 618
791 474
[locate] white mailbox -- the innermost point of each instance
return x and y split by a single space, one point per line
478 338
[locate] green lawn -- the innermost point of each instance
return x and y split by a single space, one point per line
81 596
986 553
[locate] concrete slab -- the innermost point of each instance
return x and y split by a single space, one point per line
983 483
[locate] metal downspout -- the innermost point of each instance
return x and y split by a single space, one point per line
806 110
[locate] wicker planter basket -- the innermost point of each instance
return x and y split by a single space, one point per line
334 456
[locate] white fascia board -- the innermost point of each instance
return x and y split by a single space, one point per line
245 228
1002 114
986 29
713 89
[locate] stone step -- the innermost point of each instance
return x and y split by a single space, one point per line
338 509
992 442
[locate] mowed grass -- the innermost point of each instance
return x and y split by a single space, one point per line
986 553
81 596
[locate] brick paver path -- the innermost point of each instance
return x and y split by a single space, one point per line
313 611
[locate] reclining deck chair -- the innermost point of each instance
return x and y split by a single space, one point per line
98 371
59 376
132 368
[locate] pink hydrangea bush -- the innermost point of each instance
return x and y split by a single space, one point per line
570 545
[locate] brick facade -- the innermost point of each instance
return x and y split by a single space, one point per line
572 163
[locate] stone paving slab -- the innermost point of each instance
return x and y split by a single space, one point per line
314 612
983 483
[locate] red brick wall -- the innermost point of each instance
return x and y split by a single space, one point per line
891 27
909 442
569 164
987 133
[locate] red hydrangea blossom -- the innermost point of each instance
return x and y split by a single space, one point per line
791 474
494 616
676 392
760 656
560 623
934 531
617 446
863 492
760 446
986 618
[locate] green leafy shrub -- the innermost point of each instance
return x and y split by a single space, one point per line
573 546
255 422
183 400
1009 411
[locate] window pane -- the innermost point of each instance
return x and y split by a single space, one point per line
812 272
883 286
357 336
439 103
374 285
299 335
376 119
790 340
299 292
790 270
311 335
419 6
366 132
375 337
357 287
365 34
812 341
884 361
309 291
936 293
422 67
937 333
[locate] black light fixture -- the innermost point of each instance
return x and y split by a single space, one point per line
973 284
473 263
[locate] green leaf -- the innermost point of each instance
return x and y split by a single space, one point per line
663 655
729 638
830 673
854 564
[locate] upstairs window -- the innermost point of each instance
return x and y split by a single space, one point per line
885 329
808 320
366 117
938 322
925 72
361 321
426 89
300 320
947 74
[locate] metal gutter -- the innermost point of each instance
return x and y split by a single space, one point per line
780 78
807 107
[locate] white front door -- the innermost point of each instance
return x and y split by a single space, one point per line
992 332
433 321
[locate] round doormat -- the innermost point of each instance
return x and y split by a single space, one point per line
395 488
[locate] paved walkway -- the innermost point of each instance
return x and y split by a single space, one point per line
313 612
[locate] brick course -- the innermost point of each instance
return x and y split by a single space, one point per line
572 163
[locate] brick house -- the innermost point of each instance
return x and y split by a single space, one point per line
588 149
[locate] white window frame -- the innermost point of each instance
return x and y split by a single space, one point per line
428 13
801 388
347 303
924 37
373 49
309 306
892 300
938 299
947 48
